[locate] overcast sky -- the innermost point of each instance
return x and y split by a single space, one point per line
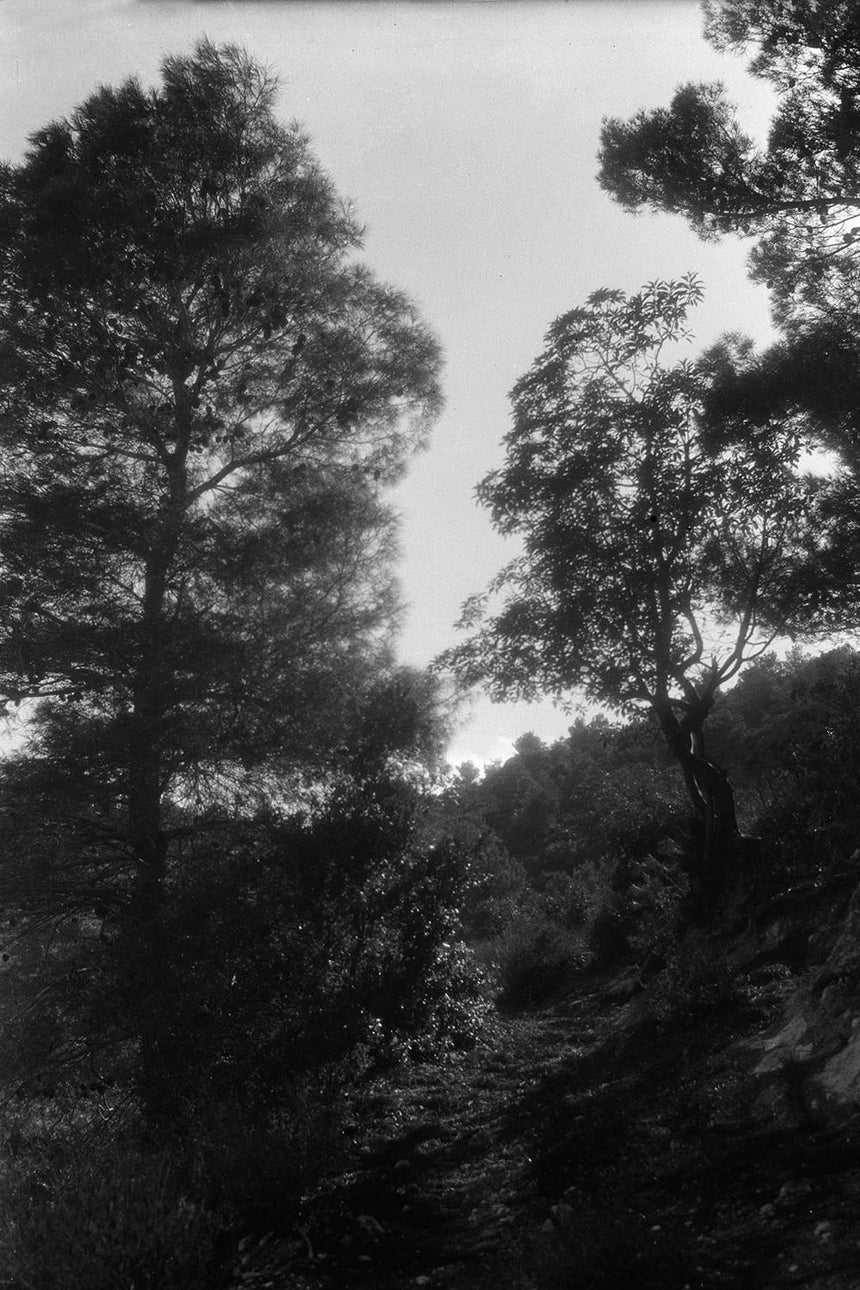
466 135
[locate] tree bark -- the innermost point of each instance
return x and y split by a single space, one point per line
147 974
713 803
719 836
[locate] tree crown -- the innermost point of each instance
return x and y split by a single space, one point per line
641 538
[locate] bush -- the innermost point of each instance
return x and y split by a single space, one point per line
494 893
612 1247
290 944
535 958
696 982
116 1218
586 894
254 1167
652 902
641 911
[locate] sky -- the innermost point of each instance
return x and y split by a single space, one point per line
465 133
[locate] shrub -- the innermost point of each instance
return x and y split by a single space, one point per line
119 1218
584 894
610 1246
494 893
254 1166
290 943
652 902
535 958
641 911
696 982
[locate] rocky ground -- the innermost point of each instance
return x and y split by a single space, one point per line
588 1146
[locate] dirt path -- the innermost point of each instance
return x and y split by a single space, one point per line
443 1177
452 1177
574 1149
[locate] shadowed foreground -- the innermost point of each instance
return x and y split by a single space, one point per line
583 1147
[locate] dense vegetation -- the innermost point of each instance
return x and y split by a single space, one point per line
242 896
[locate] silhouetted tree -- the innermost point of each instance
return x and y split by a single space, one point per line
789 729
203 392
798 196
654 566
799 193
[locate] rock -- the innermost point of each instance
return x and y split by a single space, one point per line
429 1148
830 993
824 979
790 1192
623 989
792 1040
370 1226
841 1075
843 956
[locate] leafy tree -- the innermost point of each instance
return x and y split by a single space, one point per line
556 808
799 194
654 565
203 393
788 728
294 938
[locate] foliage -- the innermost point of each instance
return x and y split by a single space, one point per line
617 847
80 970
535 957
555 808
121 1217
798 194
253 1165
602 1244
691 158
203 395
655 562
789 727
293 942
495 893
613 805
649 905
631 527
695 983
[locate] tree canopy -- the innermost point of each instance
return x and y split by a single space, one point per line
204 393
798 193
798 196
655 562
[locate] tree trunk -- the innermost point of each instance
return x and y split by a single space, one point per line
147 975
719 835
145 969
712 799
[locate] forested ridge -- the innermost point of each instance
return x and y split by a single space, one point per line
289 1001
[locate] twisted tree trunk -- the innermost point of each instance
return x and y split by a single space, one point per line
713 802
